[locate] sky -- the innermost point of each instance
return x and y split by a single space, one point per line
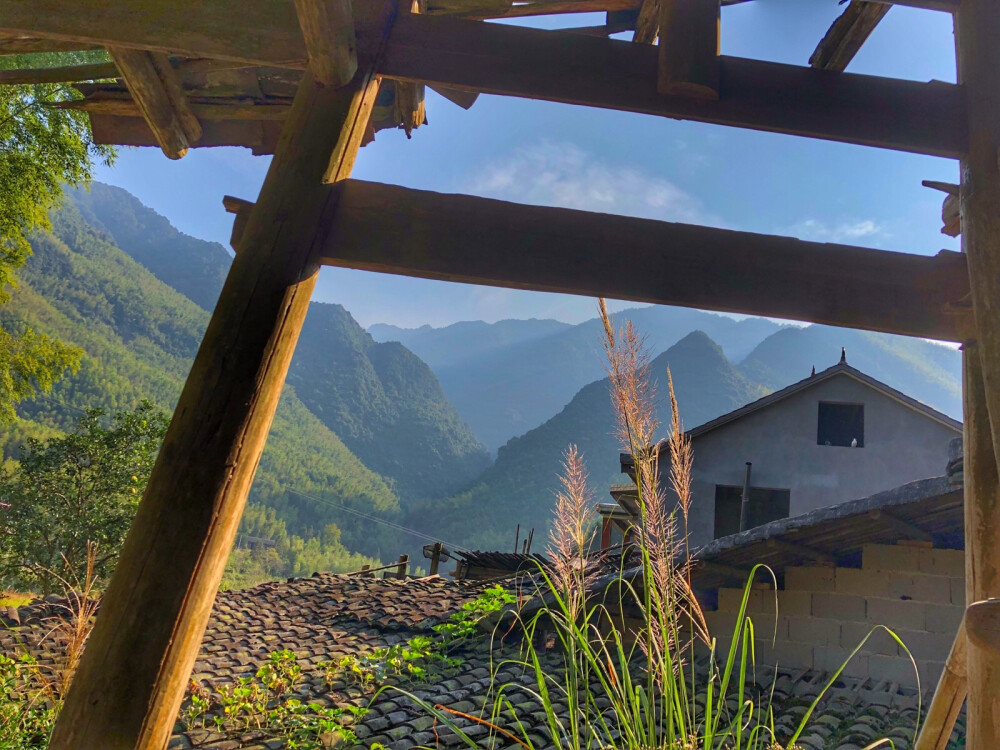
562 155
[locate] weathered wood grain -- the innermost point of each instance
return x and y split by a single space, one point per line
689 48
328 30
481 241
847 34
537 64
135 668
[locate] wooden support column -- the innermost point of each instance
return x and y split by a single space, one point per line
948 698
133 673
328 30
977 28
689 48
982 543
156 89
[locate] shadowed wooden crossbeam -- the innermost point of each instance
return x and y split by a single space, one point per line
474 240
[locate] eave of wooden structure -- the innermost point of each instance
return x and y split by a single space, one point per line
264 74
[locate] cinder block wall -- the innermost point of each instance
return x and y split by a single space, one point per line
825 612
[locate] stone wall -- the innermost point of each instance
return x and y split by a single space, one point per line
824 612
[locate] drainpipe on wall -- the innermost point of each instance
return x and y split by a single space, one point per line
746 498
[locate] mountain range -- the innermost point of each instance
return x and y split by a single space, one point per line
455 432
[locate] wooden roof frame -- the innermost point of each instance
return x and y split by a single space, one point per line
132 676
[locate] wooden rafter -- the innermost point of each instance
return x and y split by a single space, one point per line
908 529
419 233
328 30
538 64
223 109
63 74
689 48
845 37
801 550
647 24
158 94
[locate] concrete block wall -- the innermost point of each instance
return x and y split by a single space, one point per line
824 612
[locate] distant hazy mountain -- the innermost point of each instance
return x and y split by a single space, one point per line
507 378
520 486
193 267
928 372
459 342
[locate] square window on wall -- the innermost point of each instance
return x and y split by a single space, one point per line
841 425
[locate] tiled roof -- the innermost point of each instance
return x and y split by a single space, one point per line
328 616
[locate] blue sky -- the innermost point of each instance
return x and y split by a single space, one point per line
552 154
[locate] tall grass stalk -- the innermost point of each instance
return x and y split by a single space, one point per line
610 687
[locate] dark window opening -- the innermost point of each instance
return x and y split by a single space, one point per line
841 424
765 505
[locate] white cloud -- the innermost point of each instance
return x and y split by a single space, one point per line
564 175
846 231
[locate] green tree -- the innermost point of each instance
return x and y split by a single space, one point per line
69 490
42 148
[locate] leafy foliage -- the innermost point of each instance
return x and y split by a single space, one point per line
41 150
73 490
264 701
27 715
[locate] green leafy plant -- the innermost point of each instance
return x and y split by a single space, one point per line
465 623
262 701
27 709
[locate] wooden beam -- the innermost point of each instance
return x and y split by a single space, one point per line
508 60
224 109
647 25
689 48
983 625
904 527
801 550
261 136
612 74
131 680
948 697
21 44
409 100
158 94
65 74
328 30
848 33
430 235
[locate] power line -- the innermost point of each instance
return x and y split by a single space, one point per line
376 519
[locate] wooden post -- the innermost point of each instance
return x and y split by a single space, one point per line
157 91
948 698
404 562
689 48
982 540
131 679
328 30
977 27
606 533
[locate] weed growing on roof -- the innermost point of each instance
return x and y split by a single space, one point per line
265 701
412 660
31 694
635 688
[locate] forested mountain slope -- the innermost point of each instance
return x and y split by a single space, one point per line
524 477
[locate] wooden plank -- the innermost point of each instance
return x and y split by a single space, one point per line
418 233
848 33
410 109
948 697
507 60
21 44
259 136
131 679
647 24
905 528
174 127
801 550
689 48
65 74
224 109
328 30
576 69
